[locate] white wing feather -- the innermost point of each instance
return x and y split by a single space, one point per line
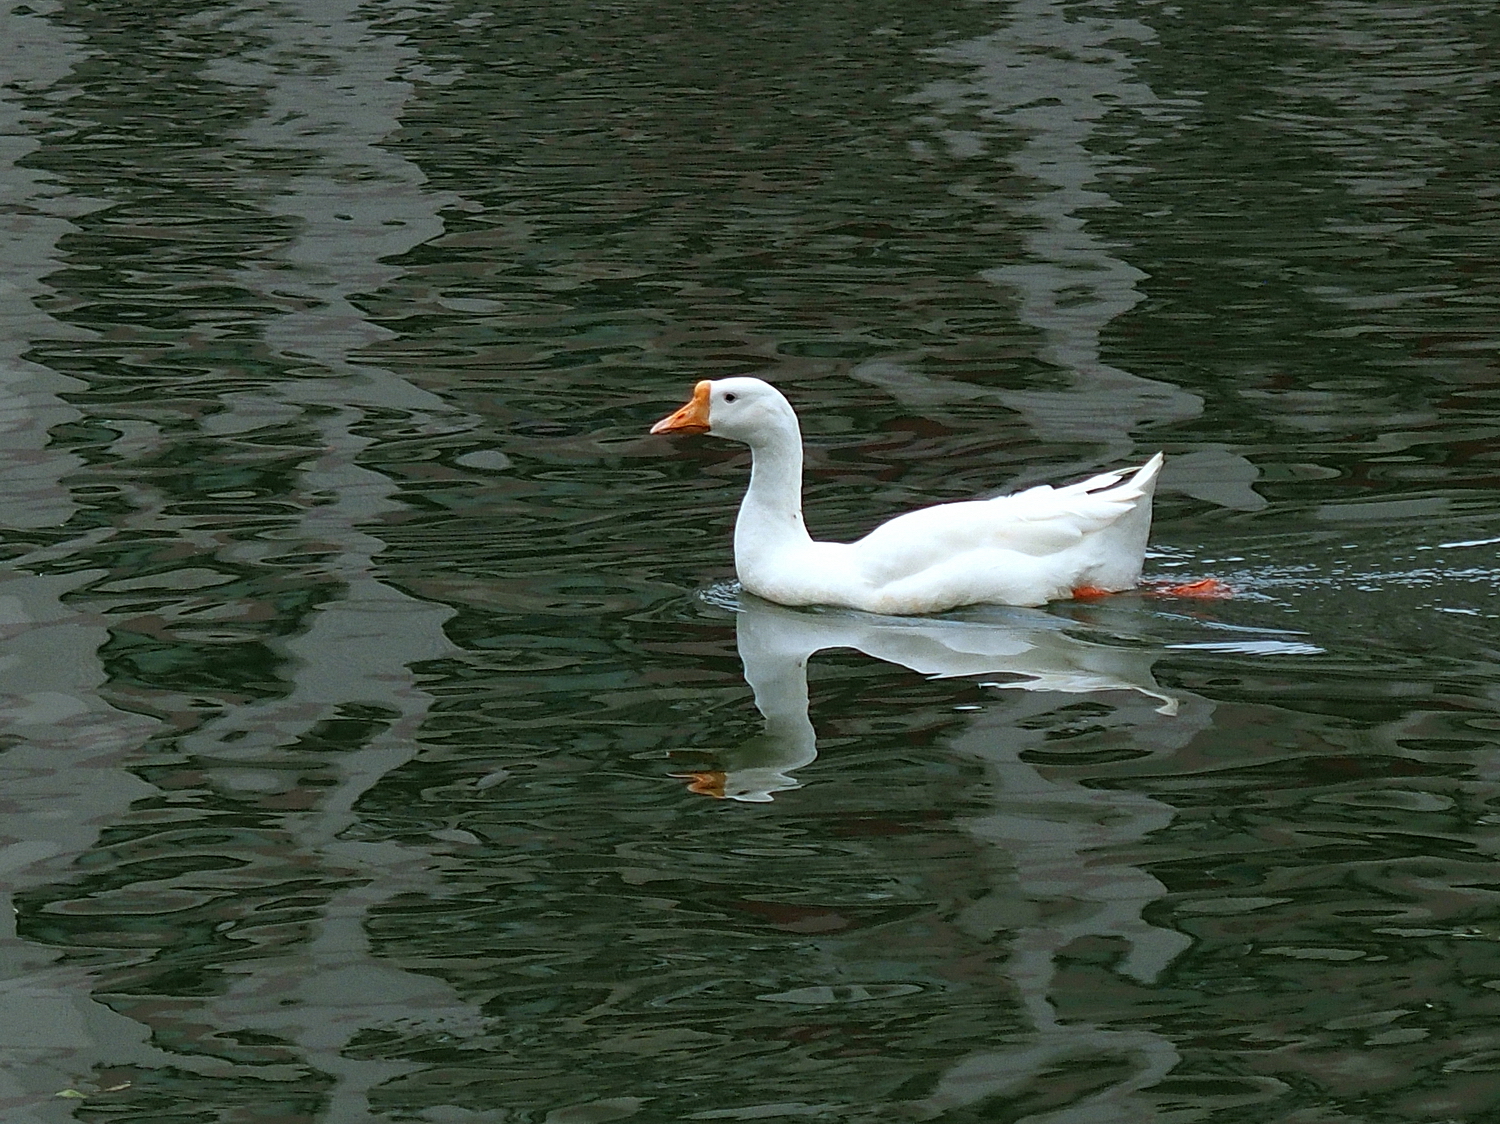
1039 521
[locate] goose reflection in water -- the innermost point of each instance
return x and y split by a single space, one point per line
1034 648
1063 850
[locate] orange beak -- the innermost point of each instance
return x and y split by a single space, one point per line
692 418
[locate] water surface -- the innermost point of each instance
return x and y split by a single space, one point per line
386 740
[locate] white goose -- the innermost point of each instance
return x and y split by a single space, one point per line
1043 544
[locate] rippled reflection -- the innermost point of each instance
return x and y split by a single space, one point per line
775 644
1047 835
63 745
350 648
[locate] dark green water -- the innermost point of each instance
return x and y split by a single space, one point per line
368 673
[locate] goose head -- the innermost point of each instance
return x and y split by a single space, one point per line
741 409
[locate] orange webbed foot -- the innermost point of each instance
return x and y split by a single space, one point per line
1090 593
1207 588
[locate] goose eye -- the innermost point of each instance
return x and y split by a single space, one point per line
730 397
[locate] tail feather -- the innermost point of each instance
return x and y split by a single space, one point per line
1146 475
1123 542
1141 481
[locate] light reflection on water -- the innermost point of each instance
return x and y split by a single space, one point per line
354 655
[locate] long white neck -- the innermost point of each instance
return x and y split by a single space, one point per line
770 518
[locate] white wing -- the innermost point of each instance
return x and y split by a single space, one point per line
1039 521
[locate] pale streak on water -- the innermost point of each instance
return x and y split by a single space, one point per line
1049 77
1202 862
62 777
334 89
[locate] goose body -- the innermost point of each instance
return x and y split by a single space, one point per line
1042 544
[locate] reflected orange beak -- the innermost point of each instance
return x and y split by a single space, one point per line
692 418
710 783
